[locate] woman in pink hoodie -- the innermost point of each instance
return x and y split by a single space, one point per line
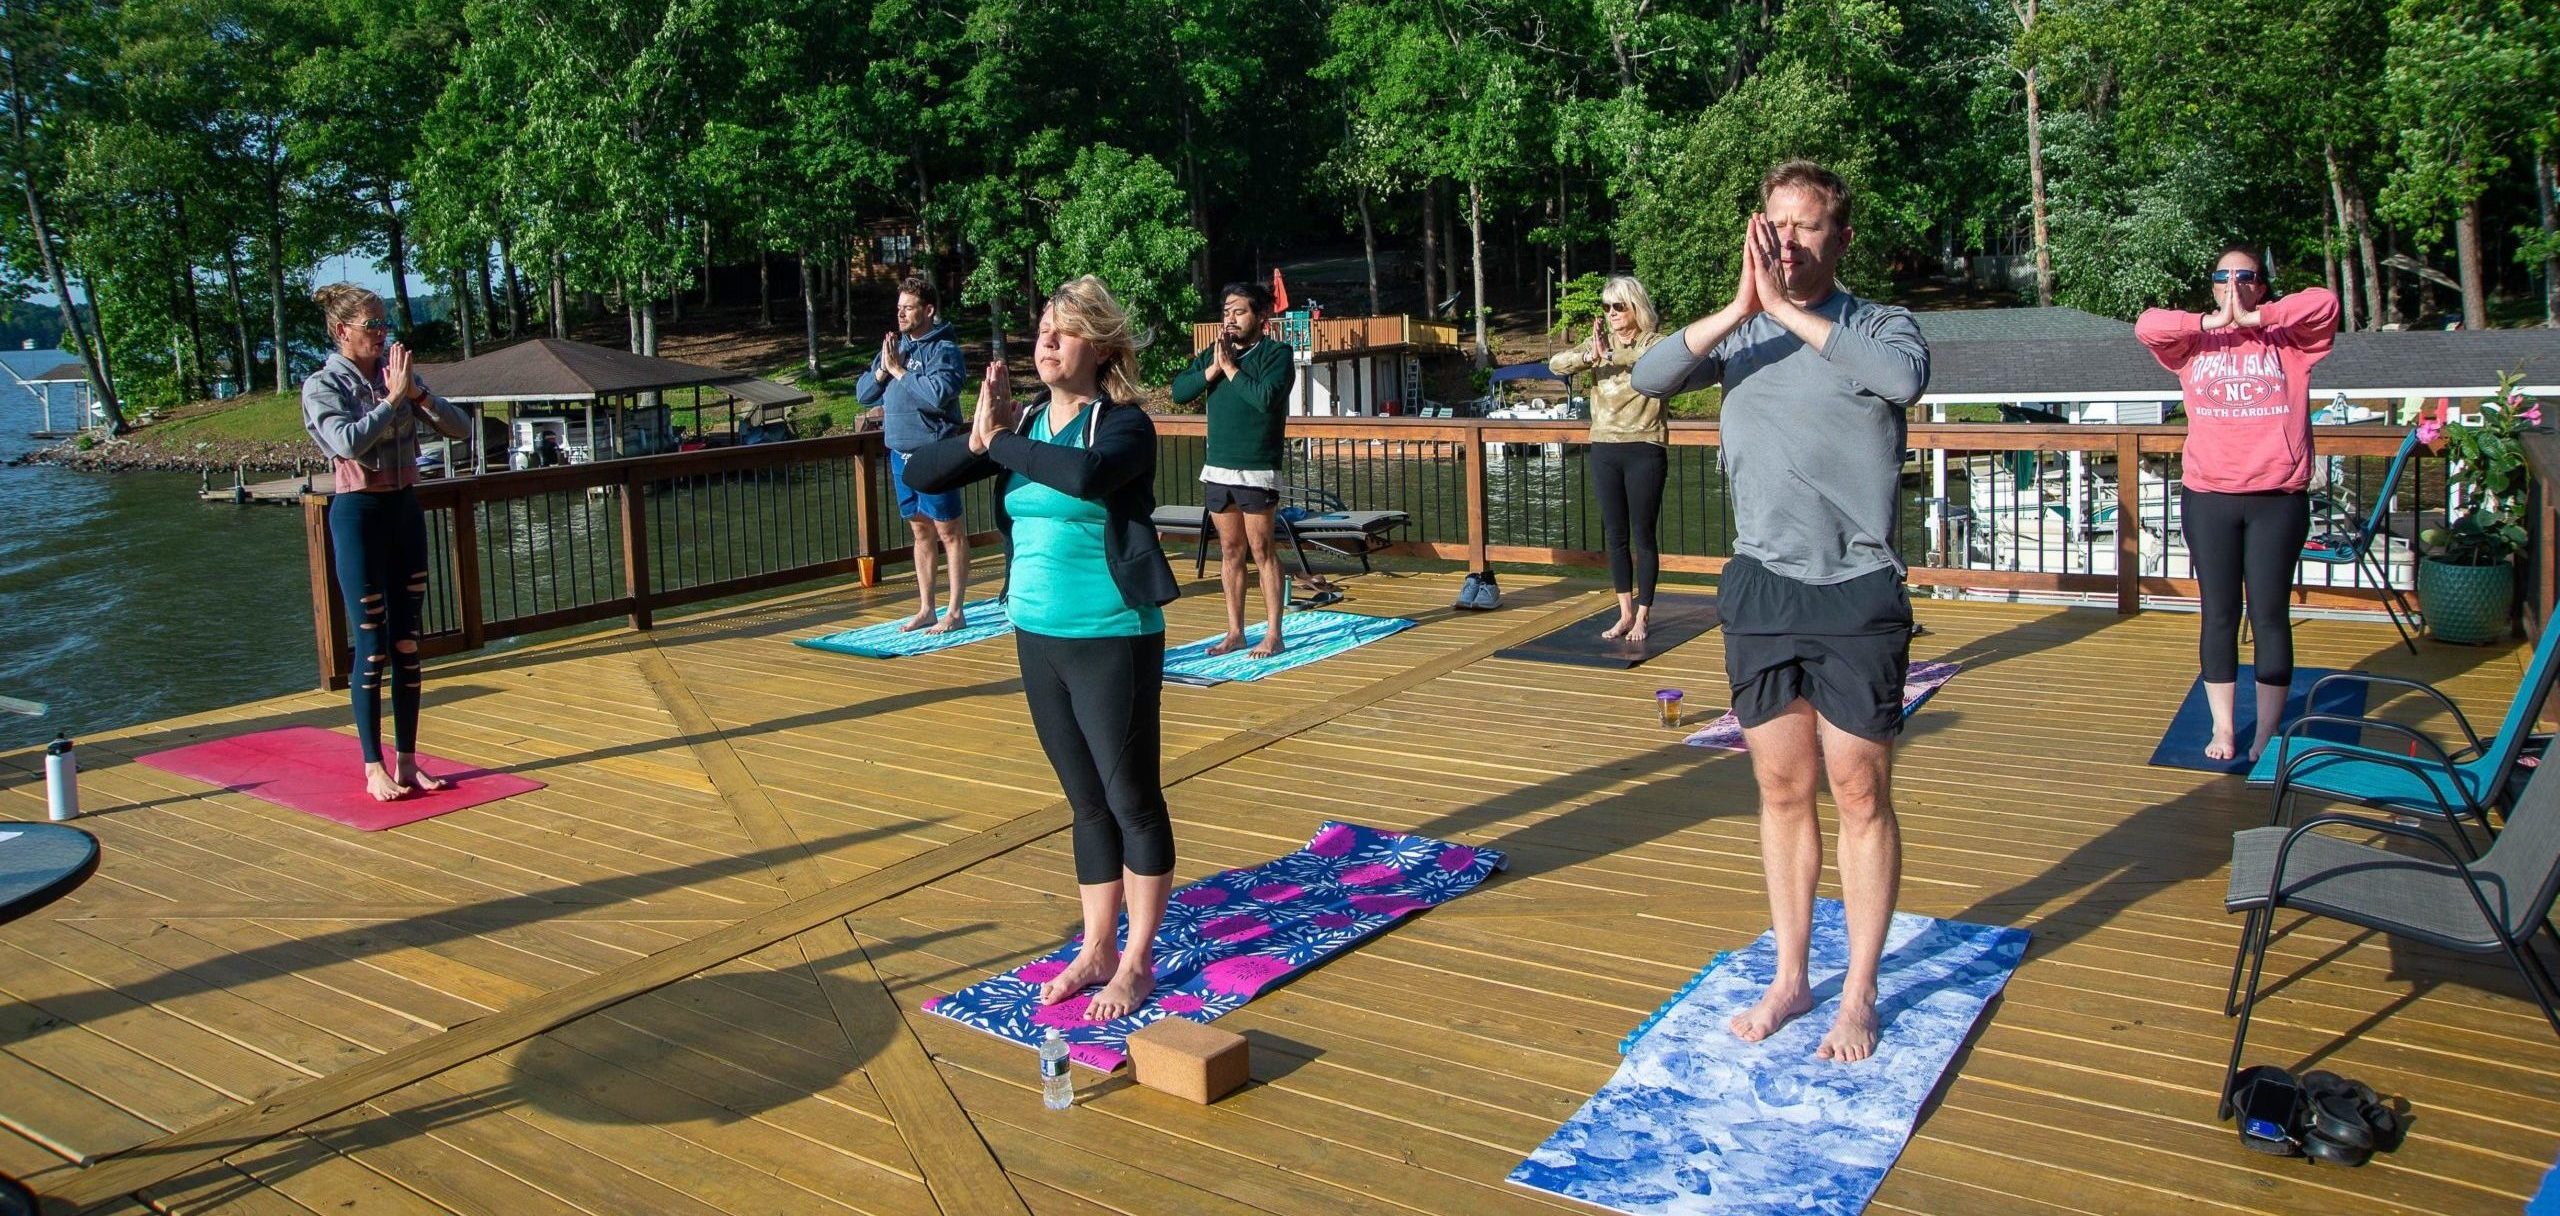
2246 369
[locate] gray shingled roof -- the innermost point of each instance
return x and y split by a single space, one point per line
2018 324
2459 363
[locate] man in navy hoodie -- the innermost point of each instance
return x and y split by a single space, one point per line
915 381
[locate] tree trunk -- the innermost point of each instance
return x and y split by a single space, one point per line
1475 259
648 311
2390 288
2466 244
1431 250
399 233
275 270
764 289
1369 248
706 265
1198 198
1564 233
2035 183
240 368
488 291
2329 269
91 357
2345 281
1449 250
2373 280
2546 187
809 307
847 262
515 285
559 296
462 307
106 353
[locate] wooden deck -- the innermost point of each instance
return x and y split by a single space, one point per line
683 978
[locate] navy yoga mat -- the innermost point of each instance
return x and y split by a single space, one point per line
2183 745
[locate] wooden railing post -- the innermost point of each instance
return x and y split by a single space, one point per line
2128 522
635 548
328 624
466 570
1479 530
866 517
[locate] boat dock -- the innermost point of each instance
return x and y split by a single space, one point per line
684 977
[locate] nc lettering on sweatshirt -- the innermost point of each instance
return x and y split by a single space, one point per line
2247 391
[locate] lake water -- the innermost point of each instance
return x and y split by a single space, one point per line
123 599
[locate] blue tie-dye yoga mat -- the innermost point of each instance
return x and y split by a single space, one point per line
1309 636
885 641
1699 1122
1230 936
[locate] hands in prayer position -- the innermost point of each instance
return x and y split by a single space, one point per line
995 411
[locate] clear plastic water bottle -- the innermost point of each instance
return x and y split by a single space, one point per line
1057 1089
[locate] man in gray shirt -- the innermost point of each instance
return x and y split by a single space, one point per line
1817 621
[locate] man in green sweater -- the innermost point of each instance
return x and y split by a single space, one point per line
1247 378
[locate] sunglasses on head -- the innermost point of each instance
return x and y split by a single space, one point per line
2236 276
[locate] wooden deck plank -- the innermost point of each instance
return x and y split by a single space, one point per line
246 943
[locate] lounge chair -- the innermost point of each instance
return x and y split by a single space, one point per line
2356 548
2494 904
2426 779
1322 520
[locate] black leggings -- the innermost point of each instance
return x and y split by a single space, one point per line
2256 540
1098 705
1627 478
380 543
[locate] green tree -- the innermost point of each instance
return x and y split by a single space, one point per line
2452 76
1124 221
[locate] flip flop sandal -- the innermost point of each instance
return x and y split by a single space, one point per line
2337 1117
2270 1106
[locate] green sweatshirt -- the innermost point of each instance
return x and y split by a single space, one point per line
1249 411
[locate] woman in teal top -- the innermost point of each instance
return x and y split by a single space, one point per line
1085 586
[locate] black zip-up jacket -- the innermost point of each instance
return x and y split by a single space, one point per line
1116 467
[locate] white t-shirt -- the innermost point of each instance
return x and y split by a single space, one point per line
1257 479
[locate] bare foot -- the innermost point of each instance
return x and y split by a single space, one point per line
2221 748
922 618
1777 1007
1270 646
420 779
1637 634
950 621
1619 630
1126 991
2258 748
384 787
1226 645
1090 967
1853 1033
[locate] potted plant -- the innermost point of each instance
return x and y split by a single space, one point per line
2467 569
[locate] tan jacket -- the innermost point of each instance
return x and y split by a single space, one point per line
1619 414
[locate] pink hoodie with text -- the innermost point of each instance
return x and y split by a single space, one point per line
2248 391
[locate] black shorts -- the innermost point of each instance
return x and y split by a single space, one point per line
1216 496
1845 647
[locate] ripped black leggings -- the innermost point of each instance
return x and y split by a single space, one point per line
380 541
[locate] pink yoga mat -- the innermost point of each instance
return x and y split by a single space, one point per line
320 772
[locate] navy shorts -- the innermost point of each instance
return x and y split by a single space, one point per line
1845 647
941 508
1218 496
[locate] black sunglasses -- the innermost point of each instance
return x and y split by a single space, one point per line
2236 276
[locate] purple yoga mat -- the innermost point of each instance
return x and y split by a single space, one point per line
1232 935
1917 686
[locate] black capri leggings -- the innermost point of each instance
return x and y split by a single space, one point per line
2256 540
1098 705
1627 478
380 547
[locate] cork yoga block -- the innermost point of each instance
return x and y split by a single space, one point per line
1189 1060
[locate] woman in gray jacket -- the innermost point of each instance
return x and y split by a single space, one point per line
363 408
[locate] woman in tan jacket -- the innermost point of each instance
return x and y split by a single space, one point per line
1629 447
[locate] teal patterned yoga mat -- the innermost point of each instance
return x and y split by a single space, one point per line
884 641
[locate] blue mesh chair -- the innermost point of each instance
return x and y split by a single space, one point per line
2356 548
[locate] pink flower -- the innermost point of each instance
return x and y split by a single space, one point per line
1180 1002
1335 920
1201 897
2429 431
1278 892
1065 1015
2515 400
1040 972
1334 841
1235 929
2531 416
1458 857
1242 975
1371 875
